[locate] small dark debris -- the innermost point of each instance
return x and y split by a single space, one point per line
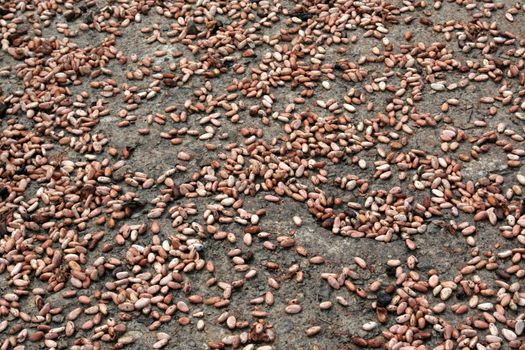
192 29
70 16
460 294
303 16
4 193
350 213
390 271
248 257
176 192
328 223
215 28
134 205
3 229
383 299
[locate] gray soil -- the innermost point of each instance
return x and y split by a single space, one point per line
439 248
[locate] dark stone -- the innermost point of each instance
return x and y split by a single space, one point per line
118 175
134 204
304 16
390 271
4 193
21 171
144 320
328 223
460 294
58 318
248 256
89 18
383 299
176 192
70 16
192 29
3 229
216 26
350 213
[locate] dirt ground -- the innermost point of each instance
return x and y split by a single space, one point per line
438 247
